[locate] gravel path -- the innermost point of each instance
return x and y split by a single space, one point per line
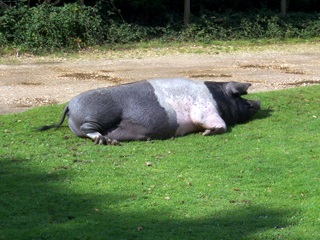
28 81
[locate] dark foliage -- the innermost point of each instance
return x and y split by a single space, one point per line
48 27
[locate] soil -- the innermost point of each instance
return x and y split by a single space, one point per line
29 81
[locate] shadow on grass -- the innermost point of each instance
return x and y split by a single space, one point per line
262 114
40 205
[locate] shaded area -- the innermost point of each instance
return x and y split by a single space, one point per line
262 114
34 205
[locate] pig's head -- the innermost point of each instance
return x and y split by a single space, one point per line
237 109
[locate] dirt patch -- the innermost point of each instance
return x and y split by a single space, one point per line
93 76
209 75
205 74
284 69
303 83
37 101
28 81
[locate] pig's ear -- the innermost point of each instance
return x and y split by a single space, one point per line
237 89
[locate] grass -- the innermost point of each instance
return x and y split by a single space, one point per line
260 180
157 48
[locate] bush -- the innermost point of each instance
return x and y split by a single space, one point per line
47 27
3 40
265 24
125 32
10 19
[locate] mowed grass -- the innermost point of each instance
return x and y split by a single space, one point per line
260 180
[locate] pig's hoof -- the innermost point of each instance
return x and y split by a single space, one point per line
219 130
113 142
207 132
100 140
213 131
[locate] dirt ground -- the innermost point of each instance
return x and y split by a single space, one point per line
28 81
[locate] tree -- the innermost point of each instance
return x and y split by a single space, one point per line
283 7
3 5
186 15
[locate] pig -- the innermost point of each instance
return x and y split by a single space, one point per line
157 109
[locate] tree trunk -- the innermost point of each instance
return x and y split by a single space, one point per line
186 17
3 5
283 8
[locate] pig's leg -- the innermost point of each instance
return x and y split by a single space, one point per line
125 131
211 122
87 129
214 124
128 131
90 130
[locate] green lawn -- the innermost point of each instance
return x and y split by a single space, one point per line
260 180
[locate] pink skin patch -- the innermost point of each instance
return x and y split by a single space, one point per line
191 105
195 114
